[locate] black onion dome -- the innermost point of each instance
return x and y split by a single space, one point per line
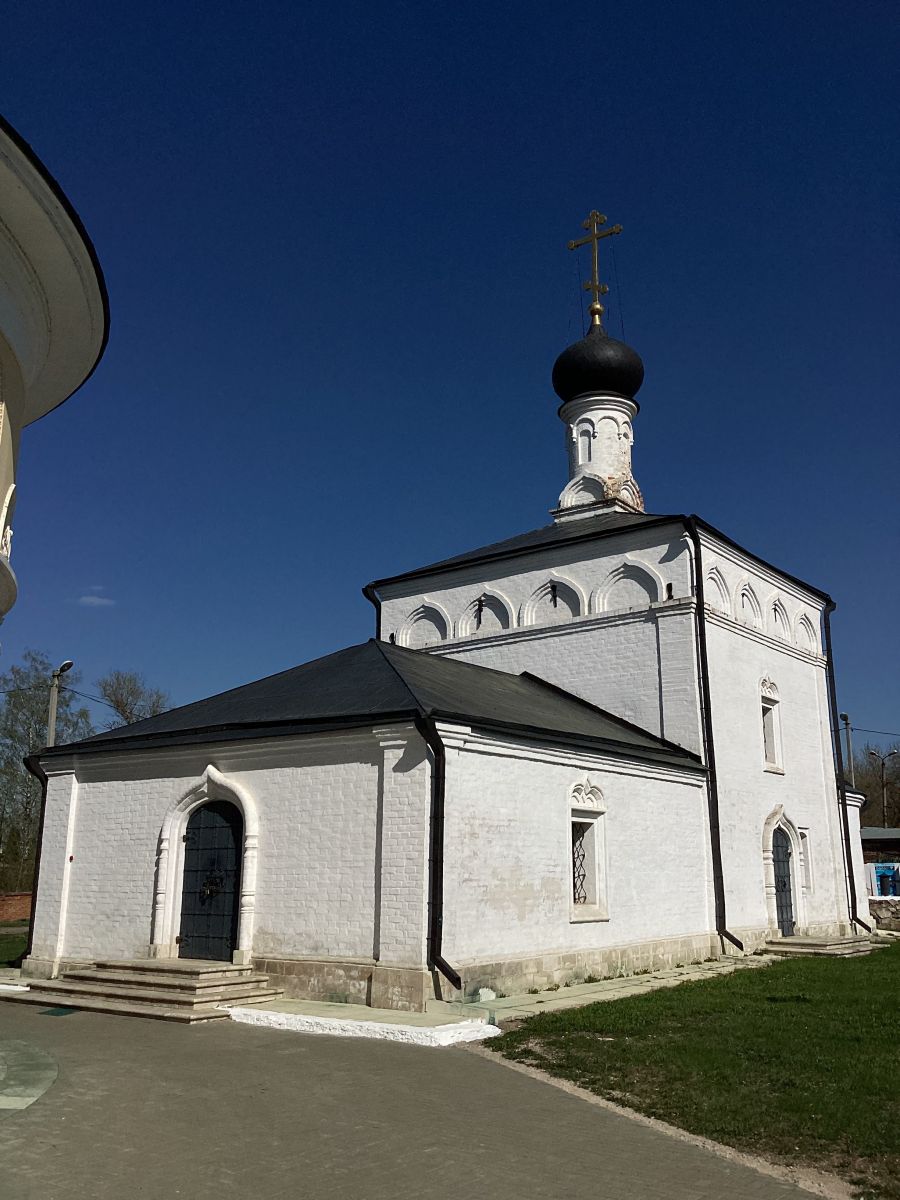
598 363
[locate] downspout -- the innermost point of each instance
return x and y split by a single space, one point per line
428 729
33 765
372 596
855 918
709 747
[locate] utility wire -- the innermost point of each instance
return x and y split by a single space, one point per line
880 732
85 696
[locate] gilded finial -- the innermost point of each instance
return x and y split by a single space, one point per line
594 224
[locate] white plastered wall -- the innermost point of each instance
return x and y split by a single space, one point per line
751 645
630 649
508 856
341 847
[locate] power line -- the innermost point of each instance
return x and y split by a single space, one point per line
85 696
880 732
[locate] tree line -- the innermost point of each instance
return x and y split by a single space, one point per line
24 702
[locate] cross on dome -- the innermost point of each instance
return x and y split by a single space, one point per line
593 224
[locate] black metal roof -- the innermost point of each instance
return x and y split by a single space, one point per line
584 529
377 682
561 532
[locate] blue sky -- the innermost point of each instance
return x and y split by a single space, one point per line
334 239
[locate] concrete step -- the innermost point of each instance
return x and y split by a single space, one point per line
191 968
167 980
69 991
827 947
159 1012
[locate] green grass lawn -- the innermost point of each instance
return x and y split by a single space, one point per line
799 1062
12 947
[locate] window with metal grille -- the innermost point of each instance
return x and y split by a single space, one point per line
580 832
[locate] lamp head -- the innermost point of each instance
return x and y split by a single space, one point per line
843 717
66 666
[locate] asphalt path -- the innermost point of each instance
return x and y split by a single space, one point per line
147 1109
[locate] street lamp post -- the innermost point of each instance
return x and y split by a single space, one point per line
846 720
54 698
882 758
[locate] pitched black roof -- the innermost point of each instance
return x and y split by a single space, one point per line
582 530
557 534
377 682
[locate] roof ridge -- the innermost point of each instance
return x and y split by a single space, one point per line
379 646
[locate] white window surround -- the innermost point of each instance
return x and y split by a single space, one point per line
587 814
771 728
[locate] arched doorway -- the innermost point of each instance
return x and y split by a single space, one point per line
781 861
210 898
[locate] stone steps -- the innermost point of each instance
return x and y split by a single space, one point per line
168 990
829 947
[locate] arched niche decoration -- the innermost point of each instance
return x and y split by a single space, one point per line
425 626
747 607
806 637
212 785
584 434
486 614
717 592
555 601
583 489
778 819
632 584
588 796
779 621
629 493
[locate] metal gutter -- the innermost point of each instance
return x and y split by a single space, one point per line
428 730
709 745
849 877
372 596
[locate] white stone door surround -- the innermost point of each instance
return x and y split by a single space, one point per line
212 785
777 820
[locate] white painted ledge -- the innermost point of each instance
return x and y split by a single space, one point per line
414 1035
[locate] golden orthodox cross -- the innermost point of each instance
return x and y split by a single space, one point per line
594 286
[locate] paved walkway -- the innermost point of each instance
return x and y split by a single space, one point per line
524 1004
158 1111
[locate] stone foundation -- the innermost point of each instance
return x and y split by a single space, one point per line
349 981
885 911
538 971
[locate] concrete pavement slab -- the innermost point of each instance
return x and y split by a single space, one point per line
158 1111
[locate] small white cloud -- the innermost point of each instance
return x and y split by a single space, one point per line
95 601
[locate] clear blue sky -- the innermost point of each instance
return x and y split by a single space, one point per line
334 239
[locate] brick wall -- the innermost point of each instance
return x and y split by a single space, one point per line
15 906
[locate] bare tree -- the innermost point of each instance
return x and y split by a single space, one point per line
24 699
131 697
867 767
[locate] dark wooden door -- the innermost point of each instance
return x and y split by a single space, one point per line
212 882
784 904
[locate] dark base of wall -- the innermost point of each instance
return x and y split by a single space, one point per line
347 981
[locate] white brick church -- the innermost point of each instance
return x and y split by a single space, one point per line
598 747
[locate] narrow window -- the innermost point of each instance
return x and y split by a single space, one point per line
580 836
584 446
770 732
587 858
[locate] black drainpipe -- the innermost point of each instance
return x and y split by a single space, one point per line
34 766
709 748
372 596
436 960
855 918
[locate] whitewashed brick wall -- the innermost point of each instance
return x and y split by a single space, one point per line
320 874
508 865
